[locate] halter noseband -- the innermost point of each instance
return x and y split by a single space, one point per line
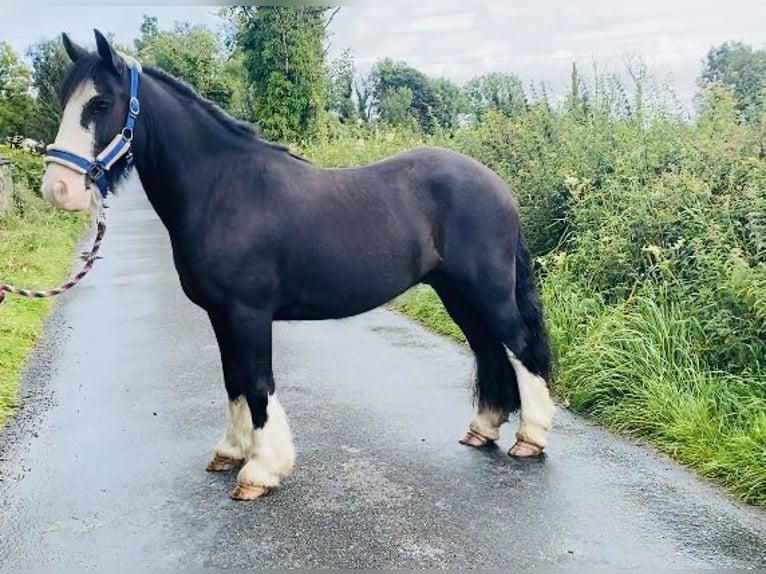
96 170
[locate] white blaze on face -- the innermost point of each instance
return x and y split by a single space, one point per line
63 187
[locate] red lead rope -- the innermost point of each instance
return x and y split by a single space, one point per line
89 260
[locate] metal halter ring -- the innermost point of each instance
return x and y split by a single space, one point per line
96 172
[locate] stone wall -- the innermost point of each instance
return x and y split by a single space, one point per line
6 185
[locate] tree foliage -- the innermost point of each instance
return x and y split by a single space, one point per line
192 54
284 59
49 66
435 104
15 101
495 90
741 69
363 92
341 92
448 103
395 108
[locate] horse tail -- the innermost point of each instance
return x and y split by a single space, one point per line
537 352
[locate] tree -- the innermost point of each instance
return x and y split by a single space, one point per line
363 88
149 30
718 113
240 100
448 103
496 90
435 103
283 50
388 77
49 67
15 100
341 101
395 108
192 54
742 70
578 99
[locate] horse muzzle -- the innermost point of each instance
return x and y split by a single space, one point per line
66 189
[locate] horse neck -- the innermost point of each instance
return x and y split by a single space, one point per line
178 151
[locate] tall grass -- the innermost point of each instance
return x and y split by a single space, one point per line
637 368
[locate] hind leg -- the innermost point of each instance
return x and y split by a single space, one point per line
520 328
536 418
484 429
530 364
496 388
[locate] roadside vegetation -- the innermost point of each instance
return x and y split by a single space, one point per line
37 248
647 223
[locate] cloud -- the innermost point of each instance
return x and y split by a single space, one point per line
440 23
563 53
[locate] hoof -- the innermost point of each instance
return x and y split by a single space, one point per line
475 440
523 449
249 492
222 464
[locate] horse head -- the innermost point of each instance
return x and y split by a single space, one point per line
93 140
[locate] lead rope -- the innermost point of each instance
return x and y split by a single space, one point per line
89 260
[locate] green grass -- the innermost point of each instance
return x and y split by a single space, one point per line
37 248
422 304
636 369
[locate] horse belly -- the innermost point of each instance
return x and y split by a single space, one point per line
342 291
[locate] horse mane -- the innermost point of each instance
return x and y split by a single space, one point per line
237 127
185 90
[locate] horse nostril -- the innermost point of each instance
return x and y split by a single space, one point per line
59 190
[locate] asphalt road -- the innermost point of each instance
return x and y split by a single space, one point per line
124 401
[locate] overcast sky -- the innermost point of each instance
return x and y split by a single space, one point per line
537 39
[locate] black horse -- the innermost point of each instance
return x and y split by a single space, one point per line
259 234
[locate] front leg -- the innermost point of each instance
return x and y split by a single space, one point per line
227 454
257 429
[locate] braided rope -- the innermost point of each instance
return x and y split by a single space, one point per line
90 259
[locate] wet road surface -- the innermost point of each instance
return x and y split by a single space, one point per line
124 401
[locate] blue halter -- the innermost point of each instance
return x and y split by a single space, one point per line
95 170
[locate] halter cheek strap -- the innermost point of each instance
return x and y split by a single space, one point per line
95 170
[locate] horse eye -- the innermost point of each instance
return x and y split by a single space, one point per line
99 105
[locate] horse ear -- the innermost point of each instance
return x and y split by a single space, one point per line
72 50
108 53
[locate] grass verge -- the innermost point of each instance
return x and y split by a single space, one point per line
37 247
